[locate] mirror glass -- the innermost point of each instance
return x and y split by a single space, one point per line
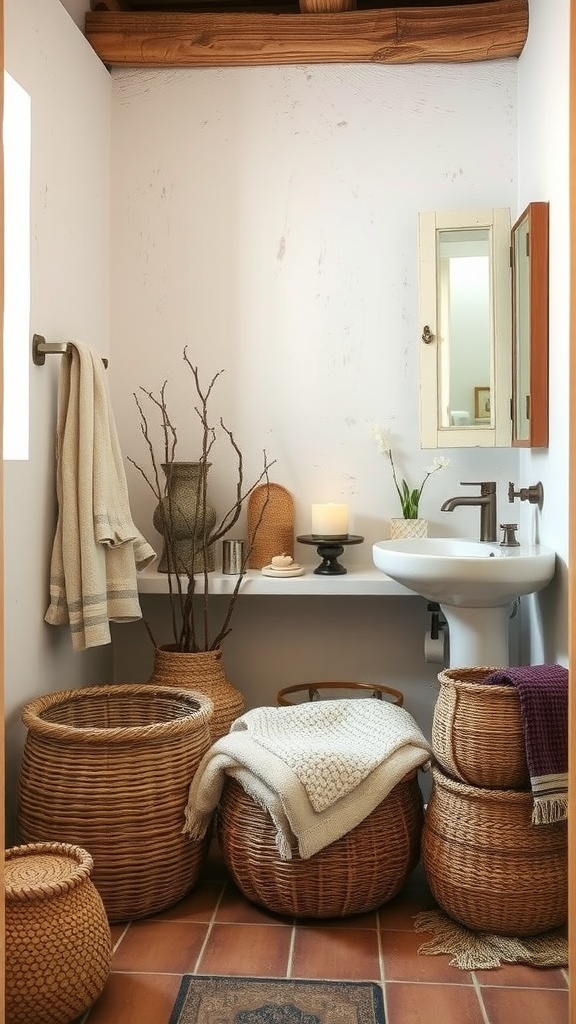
465 328
530 328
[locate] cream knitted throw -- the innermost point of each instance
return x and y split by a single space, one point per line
318 769
97 549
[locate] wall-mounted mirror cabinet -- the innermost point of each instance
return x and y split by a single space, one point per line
466 328
530 328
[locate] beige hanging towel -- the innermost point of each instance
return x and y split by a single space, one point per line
97 549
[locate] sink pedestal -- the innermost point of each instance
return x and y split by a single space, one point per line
478 636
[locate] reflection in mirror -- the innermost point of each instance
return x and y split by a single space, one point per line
530 328
465 328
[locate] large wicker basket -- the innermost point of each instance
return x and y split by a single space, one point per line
487 865
477 732
58 944
108 768
360 871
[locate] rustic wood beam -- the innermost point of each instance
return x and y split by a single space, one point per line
463 33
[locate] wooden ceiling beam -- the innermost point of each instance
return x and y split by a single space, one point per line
408 35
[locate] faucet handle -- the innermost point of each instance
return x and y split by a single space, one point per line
488 486
534 494
509 540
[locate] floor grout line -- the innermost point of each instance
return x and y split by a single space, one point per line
478 990
209 928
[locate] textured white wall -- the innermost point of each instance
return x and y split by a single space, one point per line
543 174
267 217
70 93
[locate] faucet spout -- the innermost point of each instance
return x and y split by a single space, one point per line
486 501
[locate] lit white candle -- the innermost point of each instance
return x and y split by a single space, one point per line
329 520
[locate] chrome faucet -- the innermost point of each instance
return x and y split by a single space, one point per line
487 503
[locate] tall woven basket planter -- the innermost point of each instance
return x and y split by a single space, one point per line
202 672
487 865
108 768
58 945
360 871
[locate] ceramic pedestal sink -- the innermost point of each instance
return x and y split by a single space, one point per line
474 582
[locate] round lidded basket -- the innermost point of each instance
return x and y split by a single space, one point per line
477 734
108 768
58 943
304 692
360 871
487 865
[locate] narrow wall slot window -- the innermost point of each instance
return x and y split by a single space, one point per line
17 153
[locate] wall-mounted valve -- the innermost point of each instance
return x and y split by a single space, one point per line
534 494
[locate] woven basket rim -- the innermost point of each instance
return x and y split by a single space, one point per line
201 710
479 792
446 678
79 873
214 655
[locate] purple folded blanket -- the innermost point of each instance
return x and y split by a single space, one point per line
543 695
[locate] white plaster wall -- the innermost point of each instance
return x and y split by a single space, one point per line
70 97
543 174
267 218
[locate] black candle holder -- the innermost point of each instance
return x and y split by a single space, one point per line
330 549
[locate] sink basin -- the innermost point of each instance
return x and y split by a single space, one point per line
465 573
474 582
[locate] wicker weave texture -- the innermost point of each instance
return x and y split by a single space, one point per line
487 865
357 873
58 944
108 768
270 524
477 731
202 672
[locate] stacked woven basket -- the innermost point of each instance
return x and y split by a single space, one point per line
488 866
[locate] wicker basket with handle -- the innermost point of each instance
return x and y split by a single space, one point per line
360 871
487 865
108 768
303 692
477 733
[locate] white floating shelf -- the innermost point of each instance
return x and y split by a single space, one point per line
361 581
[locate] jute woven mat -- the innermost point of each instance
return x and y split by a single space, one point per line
473 951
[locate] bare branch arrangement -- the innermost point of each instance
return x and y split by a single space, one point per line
191 628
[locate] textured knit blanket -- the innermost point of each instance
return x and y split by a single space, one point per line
318 769
543 697
97 549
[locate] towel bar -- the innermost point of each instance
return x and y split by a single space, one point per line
41 348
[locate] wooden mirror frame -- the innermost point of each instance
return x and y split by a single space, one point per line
536 217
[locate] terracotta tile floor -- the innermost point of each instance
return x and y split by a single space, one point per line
216 931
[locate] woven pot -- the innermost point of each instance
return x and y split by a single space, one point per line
108 768
184 519
360 871
487 865
202 672
58 945
402 529
477 733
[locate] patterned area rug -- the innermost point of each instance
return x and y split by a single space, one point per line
217 1000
